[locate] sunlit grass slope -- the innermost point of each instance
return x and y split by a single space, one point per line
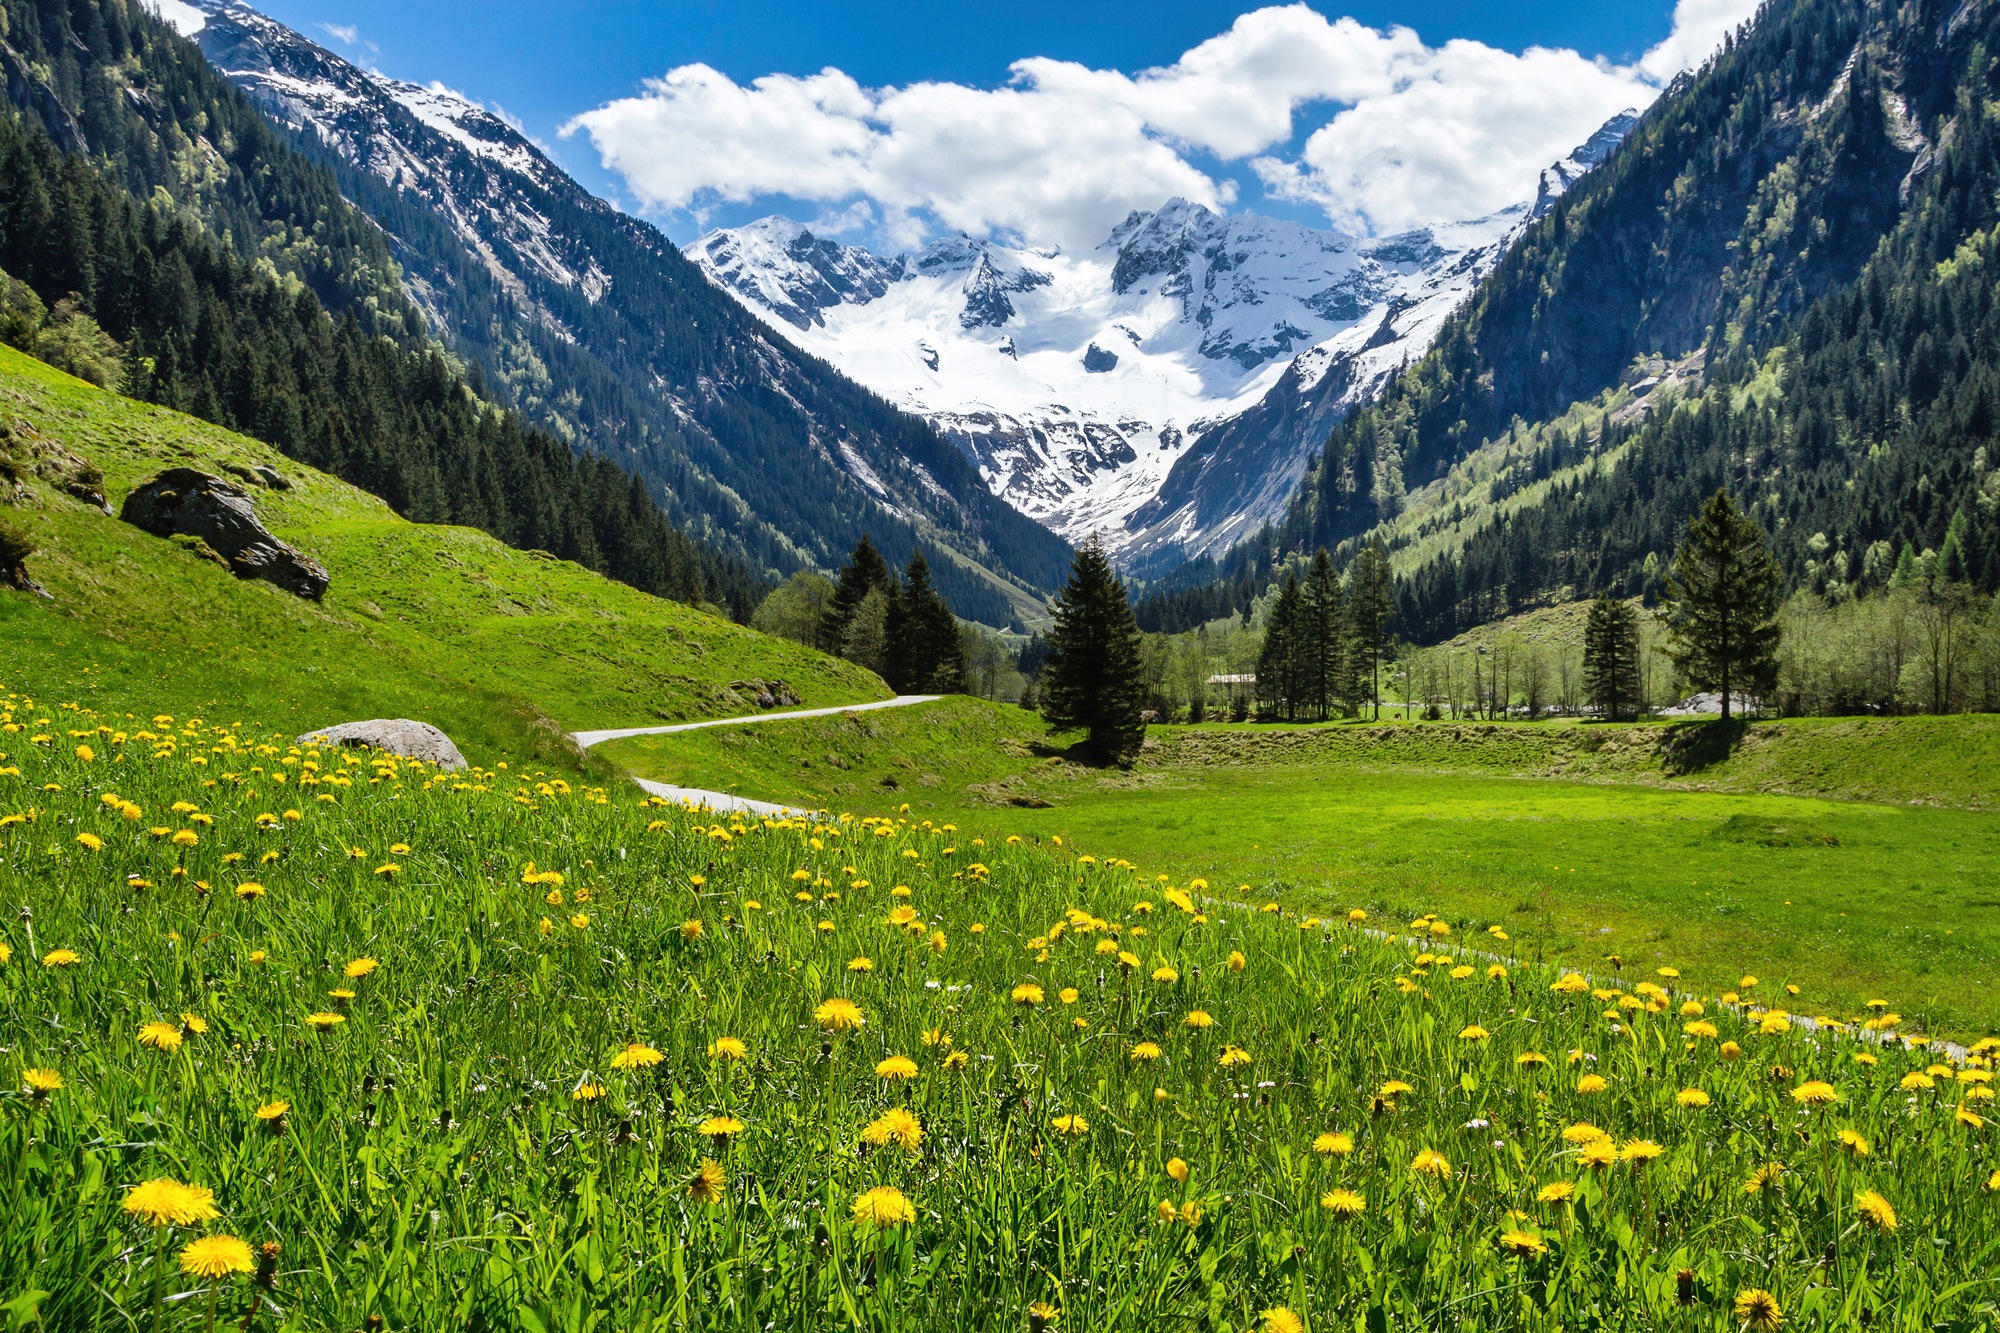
489 1050
1575 838
439 623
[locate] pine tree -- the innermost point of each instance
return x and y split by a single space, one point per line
1611 657
1093 678
1724 603
864 572
924 650
1326 617
1278 661
1370 612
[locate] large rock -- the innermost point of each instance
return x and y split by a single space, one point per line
184 502
397 735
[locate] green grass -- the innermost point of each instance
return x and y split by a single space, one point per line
504 649
1576 839
475 1145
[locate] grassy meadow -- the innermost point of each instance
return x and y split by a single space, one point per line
504 649
1584 842
304 1039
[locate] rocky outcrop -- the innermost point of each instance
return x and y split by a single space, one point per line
183 502
397 735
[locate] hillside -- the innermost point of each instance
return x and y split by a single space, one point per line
1812 288
503 649
597 329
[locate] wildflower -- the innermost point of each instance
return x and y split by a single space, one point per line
1583 1132
1473 1032
217 1256
1431 1162
1815 1093
705 1186
1333 1144
1592 1084
1073 1125
1237 962
1968 1117
323 1022
1598 1154
861 965
165 1202
839 1015
1531 1060
1764 1177
41 1082
1523 1244
883 1206
895 1068
388 870
719 1129
1701 1029
690 930
636 1055
271 1116
1344 1204
1040 1315
1915 1082
160 1036
90 842
1691 1099
1641 1151
580 921
1393 1089
1165 975
1177 1170
895 1126
1852 1143
1729 1050
1027 994
1069 995
1758 1309
1278 1319
957 1060
1569 983
1233 1057
1556 1191
61 958
1146 1050
249 889
587 1092
359 968
1199 1018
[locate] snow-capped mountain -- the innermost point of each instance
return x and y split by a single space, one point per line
595 326
1165 388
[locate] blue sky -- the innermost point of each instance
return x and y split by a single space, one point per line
546 64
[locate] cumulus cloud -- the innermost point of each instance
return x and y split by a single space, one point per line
345 33
1063 151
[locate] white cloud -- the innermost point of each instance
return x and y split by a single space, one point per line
1063 151
345 33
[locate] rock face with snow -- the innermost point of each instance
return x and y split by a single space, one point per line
1165 389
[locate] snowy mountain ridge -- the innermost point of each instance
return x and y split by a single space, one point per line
1081 384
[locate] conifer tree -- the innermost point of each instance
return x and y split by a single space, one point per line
864 572
1724 604
1093 678
1326 614
1611 657
1278 662
1370 612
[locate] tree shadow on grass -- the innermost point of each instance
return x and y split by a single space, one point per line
1690 747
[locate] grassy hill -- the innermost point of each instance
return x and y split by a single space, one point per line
1851 857
503 649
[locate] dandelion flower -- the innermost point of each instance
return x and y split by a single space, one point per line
636 1055
1531 1060
1344 1204
587 1092
839 1015
896 1068
218 1256
1237 962
1333 1144
90 842
1764 1177
1074 1125
1280 1320
165 1202
1431 1162
1598 1154
1916 1082
1815 1093
705 1186
271 1116
1852 1143
896 1126
690 930
61 958
160 1036
1146 1051
1473 1032
249 889
1040 1315
323 1022
1233 1057
359 968
1641 1151
1177 1170
41 1082
883 1206
1199 1018
720 1128
1165 975
727 1048
1027 994
1523 1244
1556 1191
1592 1084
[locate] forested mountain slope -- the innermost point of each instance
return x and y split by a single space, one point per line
1802 227
594 325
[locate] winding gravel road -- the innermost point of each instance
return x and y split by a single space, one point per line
720 800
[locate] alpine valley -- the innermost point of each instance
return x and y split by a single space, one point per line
1165 389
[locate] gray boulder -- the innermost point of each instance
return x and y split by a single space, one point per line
397 735
184 502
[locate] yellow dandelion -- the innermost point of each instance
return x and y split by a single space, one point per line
1815 1093
894 1126
165 1202
61 958
1431 1162
1146 1051
1027 994
883 1206
636 1055
323 1022
707 1184
727 1048
1199 1018
1333 1144
1073 1125
1556 1191
160 1036
1523 1244
1758 1309
839 1015
896 1068
217 1256
1280 1320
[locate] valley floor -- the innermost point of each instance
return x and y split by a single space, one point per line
1854 860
